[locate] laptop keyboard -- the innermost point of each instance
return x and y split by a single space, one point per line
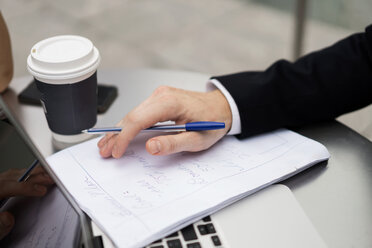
200 234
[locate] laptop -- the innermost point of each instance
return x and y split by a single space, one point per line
269 218
54 220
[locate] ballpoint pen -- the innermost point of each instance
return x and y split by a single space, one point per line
191 126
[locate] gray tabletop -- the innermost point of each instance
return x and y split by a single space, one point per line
337 196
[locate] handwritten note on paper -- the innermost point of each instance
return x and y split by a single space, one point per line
140 198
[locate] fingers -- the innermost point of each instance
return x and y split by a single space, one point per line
108 136
105 139
41 178
35 185
6 224
15 174
12 174
160 106
186 141
12 188
120 142
37 170
171 104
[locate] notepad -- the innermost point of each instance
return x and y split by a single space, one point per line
140 198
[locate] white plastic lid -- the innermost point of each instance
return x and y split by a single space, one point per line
63 58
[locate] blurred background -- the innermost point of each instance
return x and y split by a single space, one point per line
209 36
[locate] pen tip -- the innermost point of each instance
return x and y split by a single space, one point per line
84 131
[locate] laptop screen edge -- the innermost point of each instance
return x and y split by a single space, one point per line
86 229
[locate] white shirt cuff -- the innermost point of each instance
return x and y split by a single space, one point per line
236 127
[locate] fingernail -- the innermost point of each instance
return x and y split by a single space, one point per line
154 146
39 188
5 220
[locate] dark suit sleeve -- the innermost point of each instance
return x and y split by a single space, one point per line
317 87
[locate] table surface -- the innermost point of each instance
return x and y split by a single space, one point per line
337 195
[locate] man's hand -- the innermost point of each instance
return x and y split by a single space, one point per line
35 185
177 105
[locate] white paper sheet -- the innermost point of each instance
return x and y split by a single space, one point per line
140 198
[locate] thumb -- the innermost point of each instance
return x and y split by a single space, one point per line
6 224
169 144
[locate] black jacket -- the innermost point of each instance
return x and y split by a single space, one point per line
317 87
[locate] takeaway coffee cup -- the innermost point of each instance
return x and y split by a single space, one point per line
64 68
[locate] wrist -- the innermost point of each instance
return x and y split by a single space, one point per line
222 108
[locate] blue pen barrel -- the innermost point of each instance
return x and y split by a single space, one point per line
204 126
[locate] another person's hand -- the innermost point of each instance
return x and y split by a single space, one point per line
35 185
177 105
